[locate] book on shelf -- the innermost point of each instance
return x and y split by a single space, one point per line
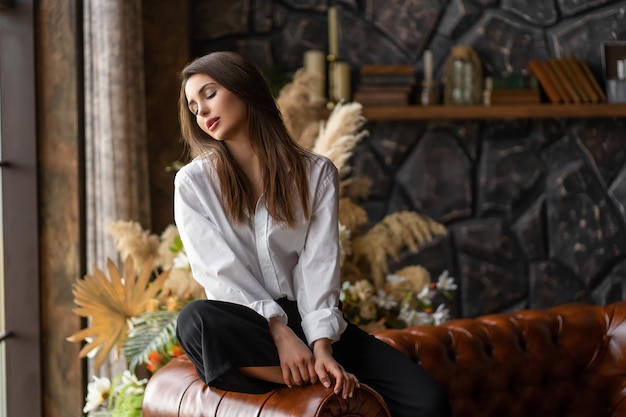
387 74
383 96
513 82
388 69
389 79
515 96
592 80
563 78
566 80
539 69
580 80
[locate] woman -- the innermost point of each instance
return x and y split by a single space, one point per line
258 216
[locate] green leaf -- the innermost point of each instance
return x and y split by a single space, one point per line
150 331
177 246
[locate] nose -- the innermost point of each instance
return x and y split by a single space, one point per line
203 108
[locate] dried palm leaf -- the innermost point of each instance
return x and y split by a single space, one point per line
403 229
338 137
110 303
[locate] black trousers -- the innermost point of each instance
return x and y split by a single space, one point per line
220 337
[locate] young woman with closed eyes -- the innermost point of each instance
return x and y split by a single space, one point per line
258 217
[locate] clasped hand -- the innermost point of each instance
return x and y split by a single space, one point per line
301 366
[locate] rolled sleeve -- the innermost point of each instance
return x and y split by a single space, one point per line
317 275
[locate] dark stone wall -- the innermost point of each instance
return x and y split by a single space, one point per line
535 208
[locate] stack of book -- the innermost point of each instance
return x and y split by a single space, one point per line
385 84
567 80
513 89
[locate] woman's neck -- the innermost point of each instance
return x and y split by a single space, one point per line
250 164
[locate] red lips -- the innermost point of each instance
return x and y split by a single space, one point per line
212 123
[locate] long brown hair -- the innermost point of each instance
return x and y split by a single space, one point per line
283 161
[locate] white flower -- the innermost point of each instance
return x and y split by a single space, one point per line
346 288
445 282
131 383
181 261
426 295
442 314
384 300
413 317
364 290
98 392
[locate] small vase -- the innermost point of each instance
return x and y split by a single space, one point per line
462 76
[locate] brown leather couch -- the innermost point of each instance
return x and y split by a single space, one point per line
566 361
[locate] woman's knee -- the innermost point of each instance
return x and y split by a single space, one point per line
197 317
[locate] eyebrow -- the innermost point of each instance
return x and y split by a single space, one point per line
200 90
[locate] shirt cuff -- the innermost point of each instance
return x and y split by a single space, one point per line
325 323
269 309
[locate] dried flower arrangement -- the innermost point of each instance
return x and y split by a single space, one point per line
133 312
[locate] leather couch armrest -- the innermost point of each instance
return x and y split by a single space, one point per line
176 391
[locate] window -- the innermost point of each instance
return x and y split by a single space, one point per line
20 372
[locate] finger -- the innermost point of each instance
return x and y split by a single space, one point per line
312 373
323 376
339 381
348 390
287 376
345 387
296 376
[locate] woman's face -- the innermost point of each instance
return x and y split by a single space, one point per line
219 113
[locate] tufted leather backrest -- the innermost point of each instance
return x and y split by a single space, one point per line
566 361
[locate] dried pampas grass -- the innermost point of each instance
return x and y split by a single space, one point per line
393 233
416 278
340 134
133 241
351 215
356 188
181 283
300 108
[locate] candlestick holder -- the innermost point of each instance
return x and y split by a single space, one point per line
332 94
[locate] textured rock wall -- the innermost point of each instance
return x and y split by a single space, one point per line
535 208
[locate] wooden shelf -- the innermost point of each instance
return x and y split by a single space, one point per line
524 111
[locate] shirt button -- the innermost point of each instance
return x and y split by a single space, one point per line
261 233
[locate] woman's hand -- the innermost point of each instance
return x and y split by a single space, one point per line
327 367
296 359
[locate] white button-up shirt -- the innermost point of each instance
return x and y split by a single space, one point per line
255 263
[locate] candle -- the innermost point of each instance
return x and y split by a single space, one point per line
428 66
341 78
333 41
315 63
